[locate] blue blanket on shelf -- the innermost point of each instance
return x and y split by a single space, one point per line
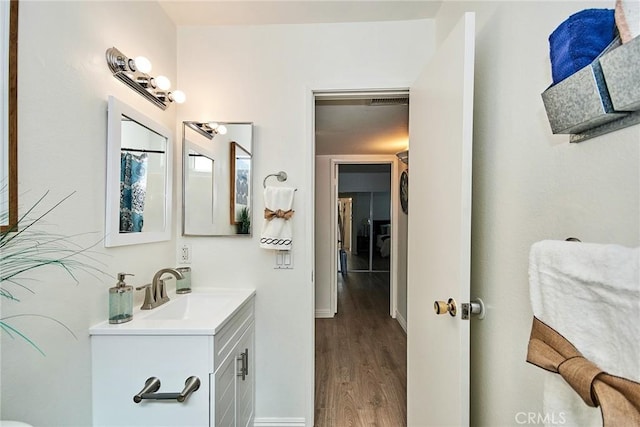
579 40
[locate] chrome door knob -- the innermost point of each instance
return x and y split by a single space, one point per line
441 307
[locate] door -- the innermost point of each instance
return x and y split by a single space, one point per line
440 129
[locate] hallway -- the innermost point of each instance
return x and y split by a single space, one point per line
361 369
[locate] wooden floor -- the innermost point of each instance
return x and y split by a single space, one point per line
361 358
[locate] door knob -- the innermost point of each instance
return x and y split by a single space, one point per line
441 307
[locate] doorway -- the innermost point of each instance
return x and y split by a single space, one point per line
365 189
358 335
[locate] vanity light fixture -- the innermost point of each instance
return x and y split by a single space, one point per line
135 74
208 130
217 128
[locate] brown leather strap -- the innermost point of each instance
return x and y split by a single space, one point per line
618 398
269 214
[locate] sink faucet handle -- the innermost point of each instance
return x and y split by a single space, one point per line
149 297
162 290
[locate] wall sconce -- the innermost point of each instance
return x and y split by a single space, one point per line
208 130
135 74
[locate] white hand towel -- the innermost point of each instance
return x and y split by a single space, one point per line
589 293
277 233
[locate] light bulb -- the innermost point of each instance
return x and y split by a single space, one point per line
222 129
163 83
142 64
178 96
213 125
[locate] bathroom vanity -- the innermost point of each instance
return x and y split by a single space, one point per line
202 340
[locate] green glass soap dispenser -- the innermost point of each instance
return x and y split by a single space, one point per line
121 301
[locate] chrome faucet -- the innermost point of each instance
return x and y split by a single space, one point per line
155 292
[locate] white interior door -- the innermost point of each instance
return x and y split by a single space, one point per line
440 135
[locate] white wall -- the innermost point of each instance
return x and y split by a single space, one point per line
265 74
64 83
530 185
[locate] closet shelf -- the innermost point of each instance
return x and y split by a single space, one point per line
598 99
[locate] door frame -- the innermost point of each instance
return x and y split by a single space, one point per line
311 94
372 159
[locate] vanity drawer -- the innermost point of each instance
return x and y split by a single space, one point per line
228 336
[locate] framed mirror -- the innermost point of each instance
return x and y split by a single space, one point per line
9 114
216 178
139 187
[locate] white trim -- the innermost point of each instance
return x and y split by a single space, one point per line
310 357
367 159
324 314
279 422
311 95
401 320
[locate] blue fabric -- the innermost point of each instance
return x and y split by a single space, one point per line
133 191
579 40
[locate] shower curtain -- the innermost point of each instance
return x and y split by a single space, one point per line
133 190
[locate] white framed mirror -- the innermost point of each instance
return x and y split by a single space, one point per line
139 187
216 178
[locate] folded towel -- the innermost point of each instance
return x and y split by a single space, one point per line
577 41
627 16
590 294
277 231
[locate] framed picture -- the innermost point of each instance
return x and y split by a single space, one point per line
240 181
9 113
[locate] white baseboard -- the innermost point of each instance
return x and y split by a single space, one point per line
323 313
402 321
278 422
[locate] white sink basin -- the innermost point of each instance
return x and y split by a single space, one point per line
202 312
189 306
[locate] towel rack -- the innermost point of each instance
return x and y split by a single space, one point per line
282 176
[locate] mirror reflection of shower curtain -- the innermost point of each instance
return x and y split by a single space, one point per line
133 191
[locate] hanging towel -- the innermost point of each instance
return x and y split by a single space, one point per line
590 294
277 231
577 41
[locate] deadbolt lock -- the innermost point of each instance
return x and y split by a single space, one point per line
441 307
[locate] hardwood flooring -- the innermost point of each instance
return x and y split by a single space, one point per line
361 358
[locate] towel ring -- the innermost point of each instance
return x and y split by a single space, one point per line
282 176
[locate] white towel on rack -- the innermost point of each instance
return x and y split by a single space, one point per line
589 293
277 233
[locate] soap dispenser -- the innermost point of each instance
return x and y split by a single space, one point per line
121 301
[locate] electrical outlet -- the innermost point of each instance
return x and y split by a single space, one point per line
184 254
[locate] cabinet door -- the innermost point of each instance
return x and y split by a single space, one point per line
245 384
122 364
224 410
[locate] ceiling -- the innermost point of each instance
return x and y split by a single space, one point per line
344 125
360 126
265 12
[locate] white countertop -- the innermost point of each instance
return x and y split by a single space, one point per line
207 310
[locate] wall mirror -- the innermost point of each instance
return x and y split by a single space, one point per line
216 178
139 158
9 114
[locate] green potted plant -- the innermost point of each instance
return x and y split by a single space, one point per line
244 221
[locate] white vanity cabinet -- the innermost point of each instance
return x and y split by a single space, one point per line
222 357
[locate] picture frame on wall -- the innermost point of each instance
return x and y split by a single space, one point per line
240 181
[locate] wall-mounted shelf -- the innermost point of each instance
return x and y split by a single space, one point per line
600 98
